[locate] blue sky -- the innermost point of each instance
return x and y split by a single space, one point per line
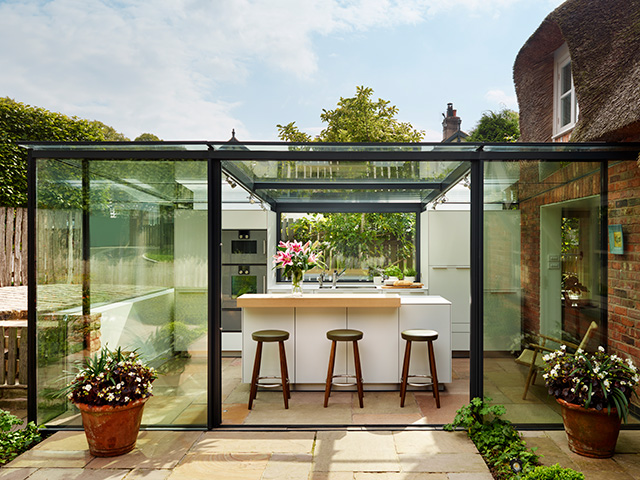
195 69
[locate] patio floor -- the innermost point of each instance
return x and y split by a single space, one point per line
315 455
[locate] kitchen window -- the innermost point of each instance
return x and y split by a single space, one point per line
358 244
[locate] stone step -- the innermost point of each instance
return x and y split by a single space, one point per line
13 405
13 392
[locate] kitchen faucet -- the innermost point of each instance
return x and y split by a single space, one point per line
321 278
335 276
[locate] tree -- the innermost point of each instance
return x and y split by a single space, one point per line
147 137
357 119
502 126
23 123
356 236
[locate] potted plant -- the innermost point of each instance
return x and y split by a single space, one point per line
295 258
110 390
593 391
410 274
376 274
393 272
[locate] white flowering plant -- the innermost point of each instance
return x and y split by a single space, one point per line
592 380
111 377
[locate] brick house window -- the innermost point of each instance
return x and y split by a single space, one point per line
565 108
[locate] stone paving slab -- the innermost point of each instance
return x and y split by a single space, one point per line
322 455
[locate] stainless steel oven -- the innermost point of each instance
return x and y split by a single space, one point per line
237 280
247 247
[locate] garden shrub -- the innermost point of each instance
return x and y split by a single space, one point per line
13 443
496 439
555 472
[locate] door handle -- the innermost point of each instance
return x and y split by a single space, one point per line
264 284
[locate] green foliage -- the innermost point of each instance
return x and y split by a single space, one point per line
23 123
410 272
394 271
554 472
357 235
496 439
147 137
357 119
502 126
13 443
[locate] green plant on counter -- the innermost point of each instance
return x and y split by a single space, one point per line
13 443
394 271
410 272
496 439
554 472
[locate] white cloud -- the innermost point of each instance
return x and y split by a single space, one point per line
161 66
502 99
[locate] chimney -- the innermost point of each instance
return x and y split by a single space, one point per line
451 122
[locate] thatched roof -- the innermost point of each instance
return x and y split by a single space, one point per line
604 44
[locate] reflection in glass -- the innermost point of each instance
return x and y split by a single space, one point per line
542 276
142 275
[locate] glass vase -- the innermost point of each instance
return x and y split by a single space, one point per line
297 279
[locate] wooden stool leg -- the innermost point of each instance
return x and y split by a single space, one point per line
405 372
256 374
286 371
434 373
332 359
283 374
356 361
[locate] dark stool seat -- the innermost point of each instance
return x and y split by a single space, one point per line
344 335
270 336
262 336
419 335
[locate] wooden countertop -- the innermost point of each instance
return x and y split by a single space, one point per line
315 300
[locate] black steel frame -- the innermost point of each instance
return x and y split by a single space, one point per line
216 159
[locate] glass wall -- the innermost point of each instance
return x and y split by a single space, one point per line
136 278
542 276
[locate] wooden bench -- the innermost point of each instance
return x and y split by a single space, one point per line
13 371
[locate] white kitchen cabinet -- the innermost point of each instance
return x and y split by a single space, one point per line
435 317
312 345
267 319
380 329
449 272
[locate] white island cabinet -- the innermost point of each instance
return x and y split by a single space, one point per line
381 318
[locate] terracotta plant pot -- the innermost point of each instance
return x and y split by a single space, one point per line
111 430
591 433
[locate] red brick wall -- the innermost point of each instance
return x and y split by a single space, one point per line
624 270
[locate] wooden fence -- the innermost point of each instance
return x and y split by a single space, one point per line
13 246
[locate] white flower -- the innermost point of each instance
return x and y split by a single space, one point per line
563 347
601 348
87 388
579 351
606 384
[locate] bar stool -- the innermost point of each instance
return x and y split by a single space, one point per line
419 336
262 336
344 335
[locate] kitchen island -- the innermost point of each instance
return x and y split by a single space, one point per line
381 317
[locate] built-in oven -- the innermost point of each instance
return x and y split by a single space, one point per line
238 280
244 247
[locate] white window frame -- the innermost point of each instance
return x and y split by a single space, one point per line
562 58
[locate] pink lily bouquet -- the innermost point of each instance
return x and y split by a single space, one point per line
295 258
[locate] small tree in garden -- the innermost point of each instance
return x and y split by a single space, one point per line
502 126
353 235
